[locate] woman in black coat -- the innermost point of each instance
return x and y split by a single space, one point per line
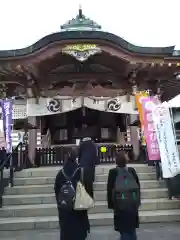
124 222
88 160
73 224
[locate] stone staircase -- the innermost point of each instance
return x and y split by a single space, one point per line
30 204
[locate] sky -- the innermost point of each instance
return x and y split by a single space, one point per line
141 22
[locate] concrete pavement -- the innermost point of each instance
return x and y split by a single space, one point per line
146 231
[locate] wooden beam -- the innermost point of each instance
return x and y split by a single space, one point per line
129 68
104 92
86 74
32 70
31 84
7 69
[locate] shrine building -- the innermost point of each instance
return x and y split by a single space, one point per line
82 81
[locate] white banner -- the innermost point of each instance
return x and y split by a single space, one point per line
114 105
166 139
56 105
50 106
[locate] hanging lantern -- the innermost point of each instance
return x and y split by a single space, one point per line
152 64
83 111
161 64
134 89
128 97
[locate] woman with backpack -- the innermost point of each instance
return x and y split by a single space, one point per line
74 224
123 196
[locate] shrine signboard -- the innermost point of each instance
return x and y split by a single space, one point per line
149 130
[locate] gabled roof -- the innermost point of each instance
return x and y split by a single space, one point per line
84 28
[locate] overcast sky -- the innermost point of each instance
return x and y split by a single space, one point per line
141 22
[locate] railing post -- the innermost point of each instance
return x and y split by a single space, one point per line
1 186
11 180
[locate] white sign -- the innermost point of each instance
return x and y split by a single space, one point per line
115 105
50 106
166 139
56 105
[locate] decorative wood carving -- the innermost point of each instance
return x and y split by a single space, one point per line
81 51
88 90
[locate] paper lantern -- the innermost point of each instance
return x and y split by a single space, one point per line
103 149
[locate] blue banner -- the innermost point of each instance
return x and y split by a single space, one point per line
7 122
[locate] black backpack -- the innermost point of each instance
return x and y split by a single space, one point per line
67 194
126 192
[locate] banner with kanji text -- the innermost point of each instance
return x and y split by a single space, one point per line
163 124
149 130
139 97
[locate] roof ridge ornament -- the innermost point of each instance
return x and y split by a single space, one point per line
80 12
80 23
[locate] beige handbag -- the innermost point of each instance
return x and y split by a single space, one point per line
83 201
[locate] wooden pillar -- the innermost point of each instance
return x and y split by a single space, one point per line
32 140
134 135
120 137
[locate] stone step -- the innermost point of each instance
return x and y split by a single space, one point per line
100 207
100 169
49 188
142 176
103 219
50 198
50 180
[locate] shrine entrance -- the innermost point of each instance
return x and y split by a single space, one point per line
70 127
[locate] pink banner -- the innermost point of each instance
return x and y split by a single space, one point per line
149 131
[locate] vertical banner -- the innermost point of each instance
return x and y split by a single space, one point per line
7 122
2 138
149 130
167 143
139 97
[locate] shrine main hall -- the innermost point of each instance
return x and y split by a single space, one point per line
83 81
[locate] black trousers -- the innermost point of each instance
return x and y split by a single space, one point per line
88 184
158 170
88 180
169 187
89 188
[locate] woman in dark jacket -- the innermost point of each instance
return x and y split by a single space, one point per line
125 222
73 224
88 160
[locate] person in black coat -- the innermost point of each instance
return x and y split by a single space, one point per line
74 224
124 222
88 160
